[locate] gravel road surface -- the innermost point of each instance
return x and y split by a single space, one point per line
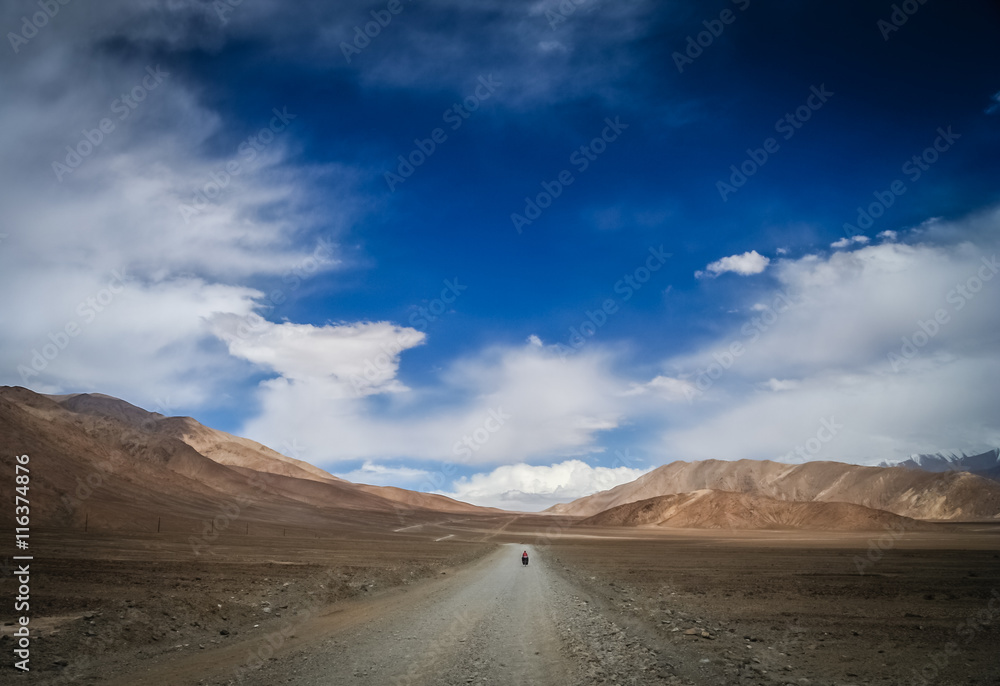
494 622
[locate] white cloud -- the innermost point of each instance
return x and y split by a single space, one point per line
386 475
503 405
119 210
532 488
124 199
853 307
745 265
145 341
349 360
665 387
846 242
896 341
888 235
881 415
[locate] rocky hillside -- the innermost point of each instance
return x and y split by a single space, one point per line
914 493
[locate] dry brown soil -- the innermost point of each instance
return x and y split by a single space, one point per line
447 602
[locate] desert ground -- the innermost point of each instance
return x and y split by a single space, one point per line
445 600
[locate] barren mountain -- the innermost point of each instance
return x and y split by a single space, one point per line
914 493
217 445
708 509
97 461
244 454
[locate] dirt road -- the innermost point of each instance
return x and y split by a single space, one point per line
494 622
491 622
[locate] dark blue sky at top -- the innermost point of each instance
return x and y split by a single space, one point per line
655 186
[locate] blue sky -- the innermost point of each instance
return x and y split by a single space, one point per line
511 251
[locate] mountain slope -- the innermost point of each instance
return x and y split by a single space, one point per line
242 453
116 471
709 509
906 492
217 445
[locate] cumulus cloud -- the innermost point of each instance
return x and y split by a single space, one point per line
846 242
665 387
349 360
535 487
896 341
122 334
877 416
83 204
745 265
503 405
386 475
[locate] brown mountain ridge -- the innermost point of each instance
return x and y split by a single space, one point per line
913 493
100 462
99 459
708 509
